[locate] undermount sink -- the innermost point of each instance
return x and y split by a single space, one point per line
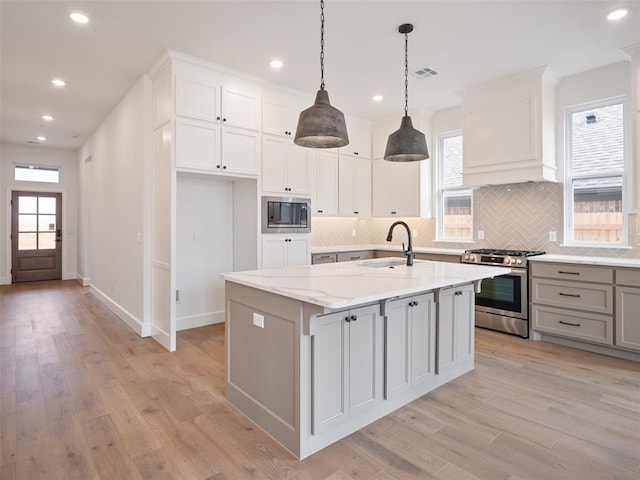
396 262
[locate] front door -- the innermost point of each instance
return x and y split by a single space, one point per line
36 236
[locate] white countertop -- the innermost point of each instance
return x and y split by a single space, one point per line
584 260
388 247
346 284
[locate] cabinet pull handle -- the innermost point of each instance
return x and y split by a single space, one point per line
353 318
459 292
324 256
568 273
569 323
356 213
575 295
320 211
354 258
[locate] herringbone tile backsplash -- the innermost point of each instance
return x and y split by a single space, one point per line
518 216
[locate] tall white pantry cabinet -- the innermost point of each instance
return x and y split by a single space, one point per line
206 134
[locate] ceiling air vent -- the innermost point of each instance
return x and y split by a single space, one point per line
424 72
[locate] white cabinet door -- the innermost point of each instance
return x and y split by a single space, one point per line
197 144
274 160
297 169
359 131
298 251
347 365
240 151
455 319
627 319
324 182
274 251
279 116
354 180
383 195
241 104
406 189
423 339
197 99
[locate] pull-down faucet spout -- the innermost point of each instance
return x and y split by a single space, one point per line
409 251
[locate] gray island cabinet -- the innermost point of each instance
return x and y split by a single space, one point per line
315 353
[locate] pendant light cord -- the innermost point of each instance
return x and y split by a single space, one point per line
406 74
321 44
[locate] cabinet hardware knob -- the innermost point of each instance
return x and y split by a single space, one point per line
217 166
224 167
347 319
224 119
353 318
217 118
320 211
356 213
415 304
569 323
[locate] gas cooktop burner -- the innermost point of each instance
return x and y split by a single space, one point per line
508 253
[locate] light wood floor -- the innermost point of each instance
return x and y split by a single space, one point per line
84 397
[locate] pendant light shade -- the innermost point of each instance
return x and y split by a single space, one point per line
321 125
406 144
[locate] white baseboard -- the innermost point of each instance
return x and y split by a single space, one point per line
591 347
195 321
135 324
84 281
5 280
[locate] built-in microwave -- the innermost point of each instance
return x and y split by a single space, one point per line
286 215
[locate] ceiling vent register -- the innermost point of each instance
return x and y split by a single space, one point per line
424 72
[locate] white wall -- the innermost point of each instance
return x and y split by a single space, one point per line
116 184
65 160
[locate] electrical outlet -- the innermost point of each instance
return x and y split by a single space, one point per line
553 237
480 234
258 320
353 232
415 232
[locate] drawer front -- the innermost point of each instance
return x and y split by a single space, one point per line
629 277
582 326
317 258
582 296
567 271
359 255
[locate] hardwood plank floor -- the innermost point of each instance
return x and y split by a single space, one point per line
82 396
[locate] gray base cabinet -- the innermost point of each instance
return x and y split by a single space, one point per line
627 308
410 343
347 354
455 327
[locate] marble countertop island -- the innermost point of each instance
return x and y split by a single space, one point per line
346 284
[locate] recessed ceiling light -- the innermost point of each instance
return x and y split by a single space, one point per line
276 64
58 83
47 118
79 17
41 138
618 13
377 98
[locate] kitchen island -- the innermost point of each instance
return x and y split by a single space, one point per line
315 353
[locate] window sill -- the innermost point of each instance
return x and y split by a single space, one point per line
595 245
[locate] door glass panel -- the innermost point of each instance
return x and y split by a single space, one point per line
27 223
47 241
27 205
47 205
27 241
46 223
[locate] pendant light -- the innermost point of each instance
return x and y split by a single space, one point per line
406 144
321 125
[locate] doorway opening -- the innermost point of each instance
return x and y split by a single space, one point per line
36 236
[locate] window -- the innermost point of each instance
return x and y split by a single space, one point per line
455 206
594 180
32 173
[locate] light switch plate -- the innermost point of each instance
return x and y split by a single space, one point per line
480 234
553 237
258 320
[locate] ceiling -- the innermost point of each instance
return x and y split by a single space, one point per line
466 42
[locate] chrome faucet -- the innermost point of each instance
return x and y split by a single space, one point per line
409 251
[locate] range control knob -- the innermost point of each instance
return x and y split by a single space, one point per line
519 261
508 260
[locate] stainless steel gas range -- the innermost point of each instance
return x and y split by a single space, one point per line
503 302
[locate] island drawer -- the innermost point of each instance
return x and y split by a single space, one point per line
565 271
357 255
317 258
582 296
583 326
629 277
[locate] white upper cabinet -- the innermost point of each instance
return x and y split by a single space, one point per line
285 166
323 174
354 181
396 189
508 130
359 137
217 121
280 112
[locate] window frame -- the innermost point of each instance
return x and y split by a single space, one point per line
569 177
441 192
